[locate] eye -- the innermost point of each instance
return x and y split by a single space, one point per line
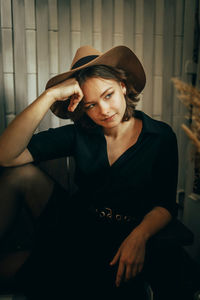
108 95
89 106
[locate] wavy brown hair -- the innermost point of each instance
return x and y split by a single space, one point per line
105 72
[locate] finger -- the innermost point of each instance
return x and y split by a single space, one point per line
76 97
128 274
134 270
140 267
74 101
120 273
115 259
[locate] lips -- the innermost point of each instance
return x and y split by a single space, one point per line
109 118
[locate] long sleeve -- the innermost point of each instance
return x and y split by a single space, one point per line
165 174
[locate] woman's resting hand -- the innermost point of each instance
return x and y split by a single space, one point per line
130 257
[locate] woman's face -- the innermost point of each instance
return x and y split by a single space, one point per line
104 101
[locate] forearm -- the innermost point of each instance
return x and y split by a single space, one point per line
16 136
153 222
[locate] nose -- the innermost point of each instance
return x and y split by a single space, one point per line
104 108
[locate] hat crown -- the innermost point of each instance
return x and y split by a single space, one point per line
82 52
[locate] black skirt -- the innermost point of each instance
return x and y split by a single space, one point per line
73 250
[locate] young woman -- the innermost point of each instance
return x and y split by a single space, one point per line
126 173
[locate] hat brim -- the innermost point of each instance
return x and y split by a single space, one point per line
120 57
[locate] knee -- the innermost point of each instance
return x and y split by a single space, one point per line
15 176
22 177
29 183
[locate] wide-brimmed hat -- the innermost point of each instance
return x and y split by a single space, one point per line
120 56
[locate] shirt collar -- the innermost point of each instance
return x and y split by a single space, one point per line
149 125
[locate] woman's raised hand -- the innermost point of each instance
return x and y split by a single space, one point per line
68 90
13 143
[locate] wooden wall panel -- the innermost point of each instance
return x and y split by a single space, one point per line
148 48
75 25
86 22
107 24
53 53
53 50
7 68
64 39
158 60
6 14
9 93
139 28
128 32
8 71
138 7
31 88
118 26
42 41
53 15
168 59
29 14
53 37
2 103
97 26
19 55
31 51
7 50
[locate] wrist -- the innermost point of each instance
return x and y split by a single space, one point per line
140 231
49 96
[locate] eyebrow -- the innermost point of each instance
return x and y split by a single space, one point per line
88 102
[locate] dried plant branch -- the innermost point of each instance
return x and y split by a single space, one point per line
192 136
190 97
186 88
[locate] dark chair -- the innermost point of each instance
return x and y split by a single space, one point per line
18 244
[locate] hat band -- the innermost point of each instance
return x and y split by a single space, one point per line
84 60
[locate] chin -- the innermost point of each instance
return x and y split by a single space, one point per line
111 125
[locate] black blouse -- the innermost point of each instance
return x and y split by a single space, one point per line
143 177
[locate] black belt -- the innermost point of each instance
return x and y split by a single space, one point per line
113 216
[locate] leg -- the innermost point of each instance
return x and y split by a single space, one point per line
20 186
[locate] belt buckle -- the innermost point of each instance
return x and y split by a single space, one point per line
108 214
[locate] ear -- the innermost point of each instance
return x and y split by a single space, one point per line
123 87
